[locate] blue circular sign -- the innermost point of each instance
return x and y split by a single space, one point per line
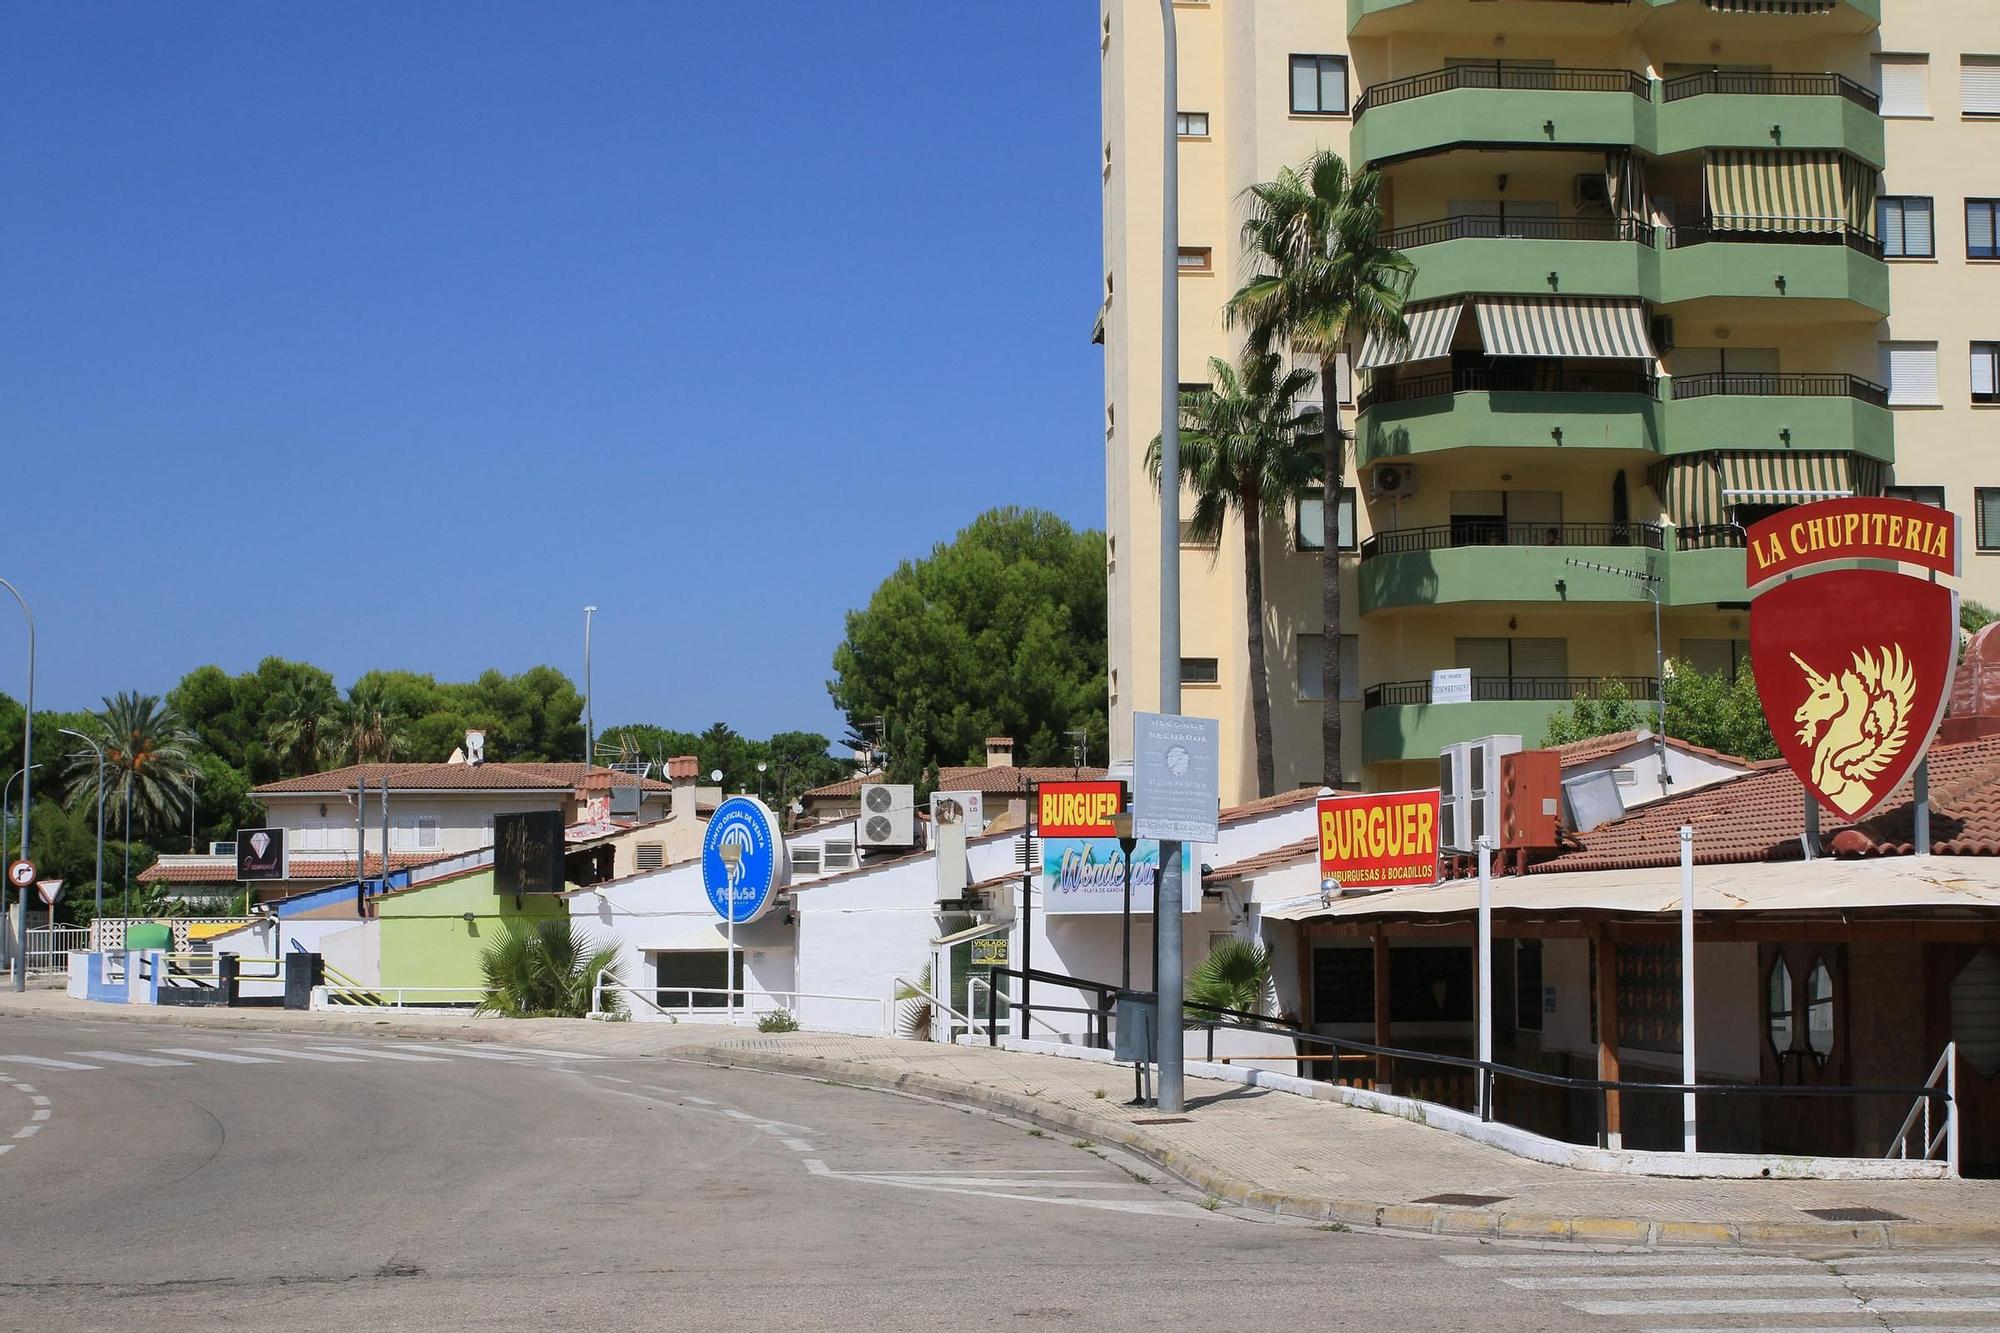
744 892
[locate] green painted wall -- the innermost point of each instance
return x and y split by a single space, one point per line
1510 420
1812 273
1745 421
1419 731
1495 574
426 940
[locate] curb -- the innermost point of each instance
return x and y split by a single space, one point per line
1427 1218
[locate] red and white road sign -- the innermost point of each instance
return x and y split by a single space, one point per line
49 890
21 874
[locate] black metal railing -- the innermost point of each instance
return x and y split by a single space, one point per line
1774 231
1511 689
1538 378
1502 76
1709 537
1498 532
1483 226
1771 384
1767 84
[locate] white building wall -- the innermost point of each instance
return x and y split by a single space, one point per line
356 951
464 820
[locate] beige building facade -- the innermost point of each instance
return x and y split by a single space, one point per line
1679 263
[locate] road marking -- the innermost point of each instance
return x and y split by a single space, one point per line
814 1166
703 1101
375 1054
37 1099
42 1114
479 1055
27 1131
797 1145
1588 1259
285 1054
520 1050
229 1057
43 1062
1829 1328
123 1058
1754 1281
1812 1305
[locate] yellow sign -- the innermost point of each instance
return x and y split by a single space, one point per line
990 952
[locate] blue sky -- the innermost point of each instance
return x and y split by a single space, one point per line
390 335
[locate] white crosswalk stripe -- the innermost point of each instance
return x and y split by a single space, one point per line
356 1052
376 1053
1718 1292
226 1057
286 1054
127 1058
43 1062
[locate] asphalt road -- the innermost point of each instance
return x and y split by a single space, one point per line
155 1174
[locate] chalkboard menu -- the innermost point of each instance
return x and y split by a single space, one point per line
1649 996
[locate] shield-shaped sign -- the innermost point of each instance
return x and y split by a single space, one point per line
1854 667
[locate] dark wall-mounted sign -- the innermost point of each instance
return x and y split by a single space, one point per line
528 852
260 854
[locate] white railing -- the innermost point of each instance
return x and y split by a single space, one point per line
901 984
48 948
1944 1072
738 1006
400 997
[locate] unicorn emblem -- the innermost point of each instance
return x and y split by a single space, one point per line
1856 721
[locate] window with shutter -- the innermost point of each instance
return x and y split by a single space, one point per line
1904 83
1911 369
1319 85
1906 227
1986 509
1982 235
1309 521
1986 372
1979 84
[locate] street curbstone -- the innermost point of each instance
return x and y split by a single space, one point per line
1465 1222
1696 1233
1533 1226
1610 1230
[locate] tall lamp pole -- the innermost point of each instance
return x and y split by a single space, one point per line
589 721
194 777
99 751
19 944
1167 883
1649 581
27 762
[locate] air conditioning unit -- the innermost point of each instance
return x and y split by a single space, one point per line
1392 481
1469 791
1593 193
888 814
958 807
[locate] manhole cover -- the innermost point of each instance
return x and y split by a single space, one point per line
1164 1120
1467 1200
1855 1214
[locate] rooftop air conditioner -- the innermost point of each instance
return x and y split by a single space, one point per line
1392 481
966 808
888 815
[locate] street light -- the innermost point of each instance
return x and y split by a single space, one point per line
1121 825
761 767
6 790
732 858
1651 583
194 777
27 763
98 750
589 722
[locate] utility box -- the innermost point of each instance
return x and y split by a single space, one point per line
1134 1039
1530 799
303 971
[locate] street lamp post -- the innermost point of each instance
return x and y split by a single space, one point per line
589 720
27 763
129 778
193 778
98 750
1649 581
761 768
19 944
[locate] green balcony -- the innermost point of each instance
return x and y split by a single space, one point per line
1398 720
1591 407
1378 17
1496 105
1708 569
1835 273
1528 256
1771 411
1723 109
1477 560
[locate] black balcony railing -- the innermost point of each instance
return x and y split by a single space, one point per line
1502 76
1539 378
1774 231
1767 84
1709 537
1498 532
1512 689
1760 384
1482 227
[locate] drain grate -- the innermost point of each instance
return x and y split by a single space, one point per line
1164 1120
1467 1200
1855 1214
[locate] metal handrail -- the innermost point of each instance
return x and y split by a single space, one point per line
1548 377
1944 1070
1709 537
1753 230
1492 226
1767 84
1498 532
1503 77
1773 384
1511 689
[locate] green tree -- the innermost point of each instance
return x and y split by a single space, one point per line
546 970
1235 975
371 729
303 723
1248 448
148 763
1703 708
1000 632
1322 279
1975 616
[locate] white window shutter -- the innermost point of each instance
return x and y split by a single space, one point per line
1905 85
1979 85
1912 372
1983 375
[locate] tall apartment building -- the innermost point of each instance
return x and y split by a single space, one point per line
1678 263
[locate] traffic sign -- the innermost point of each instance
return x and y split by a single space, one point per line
49 890
21 874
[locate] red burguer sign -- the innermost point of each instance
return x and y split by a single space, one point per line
1385 840
1077 809
1853 665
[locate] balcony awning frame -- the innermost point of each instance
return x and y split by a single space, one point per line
1432 326
1580 327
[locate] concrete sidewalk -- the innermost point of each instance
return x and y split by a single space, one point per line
1253 1147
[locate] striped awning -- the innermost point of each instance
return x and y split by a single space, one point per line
1754 189
1789 478
1431 328
1563 326
1772 6
1859 185
1690 489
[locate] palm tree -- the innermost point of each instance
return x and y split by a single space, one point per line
369 731
149 763
546 970
1246 447
304 724
1235 975
1321 279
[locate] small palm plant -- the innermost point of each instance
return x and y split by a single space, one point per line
546 970
1235 975
913 1007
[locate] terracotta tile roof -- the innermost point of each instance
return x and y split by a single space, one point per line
1284 800
1761 816
969 777
1601 747
1277 856
447 777
222 869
